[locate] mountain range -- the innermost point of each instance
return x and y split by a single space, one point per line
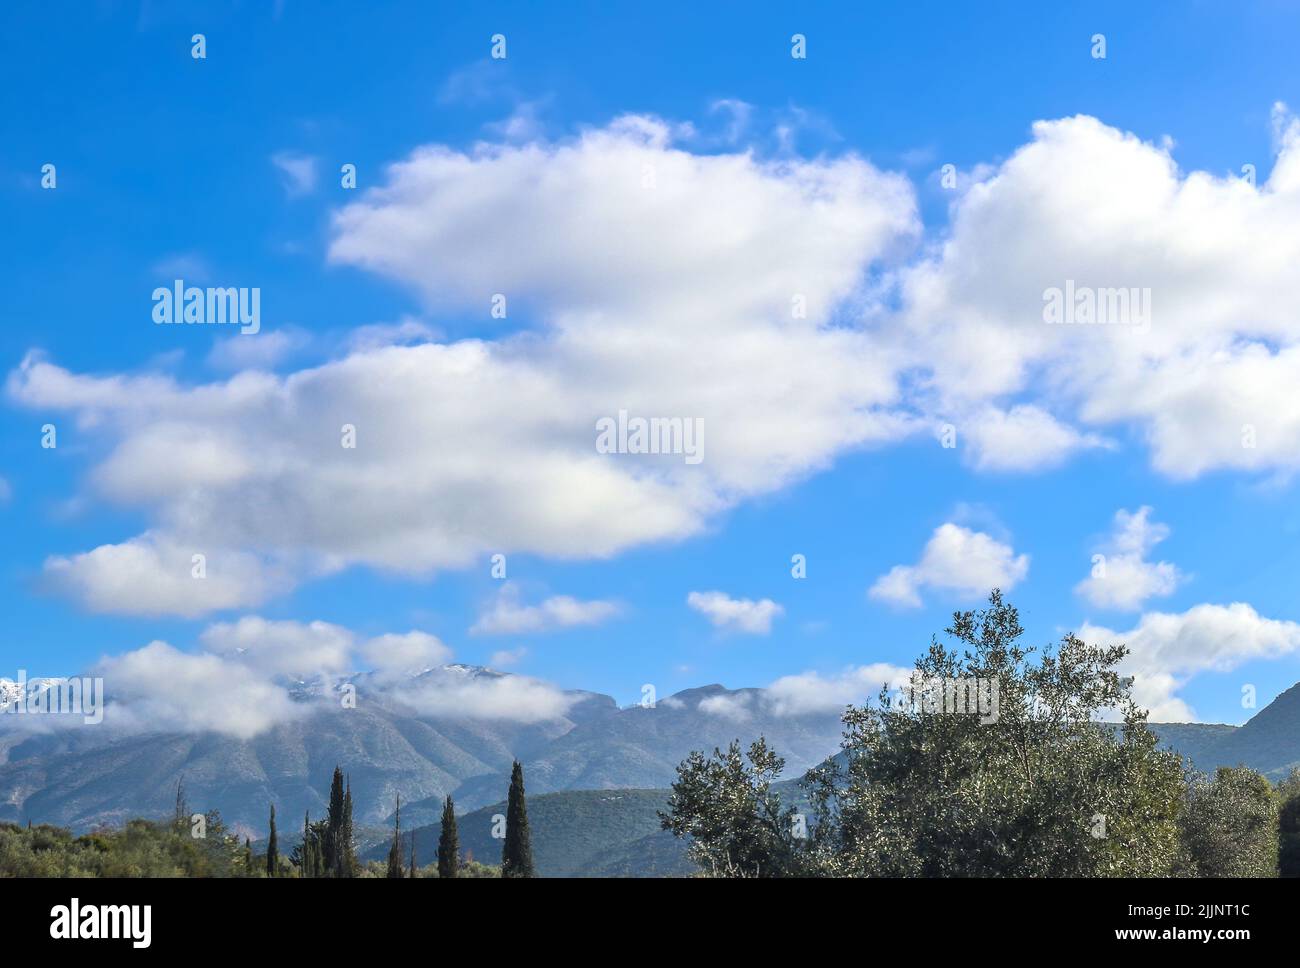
83 777
596 775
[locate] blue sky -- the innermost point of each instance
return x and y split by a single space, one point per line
167 166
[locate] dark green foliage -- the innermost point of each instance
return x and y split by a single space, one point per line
1038 788
338 852
1288 851
576 833
1288 825
517 851
308 855
737 823
348 847
142 848
1041 789
1228 827
448 842
272 849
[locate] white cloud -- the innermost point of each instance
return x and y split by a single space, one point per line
155 575
378 335
159 688
236 686
1125 579
505 658
739 112
674 299
283 648
263 350
723 238
811 692
736 614
1086 203
1024 438
522 124
298 172
508 697
1169 649
662 281
507 616
413 652
956 559
738 707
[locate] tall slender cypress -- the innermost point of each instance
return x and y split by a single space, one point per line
395 851
333 846
348 847
448 842
248 857
517 852
307 852
272 848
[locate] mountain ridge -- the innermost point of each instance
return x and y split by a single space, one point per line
83 778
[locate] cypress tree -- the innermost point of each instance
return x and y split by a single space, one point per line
349 849
248 857
272 848
306 853
333 846
412 868
395 851
517 852
448 842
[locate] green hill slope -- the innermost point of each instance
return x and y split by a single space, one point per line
576 833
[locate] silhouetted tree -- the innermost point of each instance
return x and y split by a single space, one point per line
448 842
272 848
333 846
1288 826
348 849
307 854
517 852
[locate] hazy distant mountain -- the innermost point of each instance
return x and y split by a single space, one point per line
83 777
641 747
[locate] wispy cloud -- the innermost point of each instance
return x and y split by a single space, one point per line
736 614
298 172
507 615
